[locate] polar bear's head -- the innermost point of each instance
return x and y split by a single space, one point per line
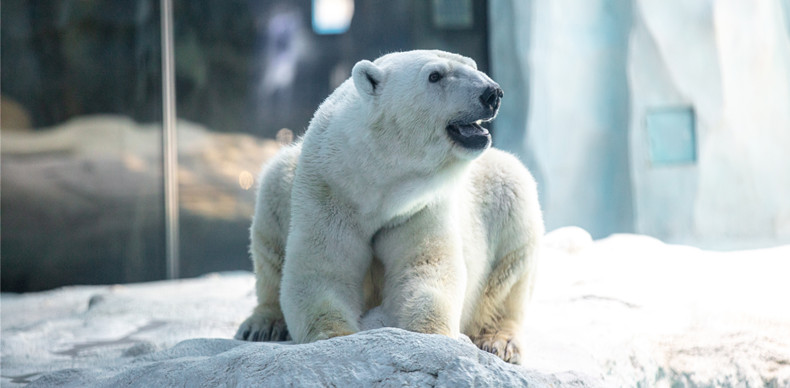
432 101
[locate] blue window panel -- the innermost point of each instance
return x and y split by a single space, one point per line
672 135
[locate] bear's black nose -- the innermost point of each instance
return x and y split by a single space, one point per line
491 97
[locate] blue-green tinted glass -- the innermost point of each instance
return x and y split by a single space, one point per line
671 135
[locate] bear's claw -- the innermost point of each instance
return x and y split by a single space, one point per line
259 329
501 345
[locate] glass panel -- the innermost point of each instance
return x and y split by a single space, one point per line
246 70
81 143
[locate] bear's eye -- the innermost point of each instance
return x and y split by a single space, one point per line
434 77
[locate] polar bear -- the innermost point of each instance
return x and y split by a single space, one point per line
393 198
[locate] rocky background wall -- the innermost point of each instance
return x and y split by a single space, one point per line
669 118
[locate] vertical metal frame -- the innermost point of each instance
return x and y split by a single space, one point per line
169 141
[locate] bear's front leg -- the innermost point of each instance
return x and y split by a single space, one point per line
425 276
325 264
497 323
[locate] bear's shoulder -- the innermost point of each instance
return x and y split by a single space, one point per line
502 172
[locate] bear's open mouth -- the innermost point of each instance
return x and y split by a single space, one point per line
470 135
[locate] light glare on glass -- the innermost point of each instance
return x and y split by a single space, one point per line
332 16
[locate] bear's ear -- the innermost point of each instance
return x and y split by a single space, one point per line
367 77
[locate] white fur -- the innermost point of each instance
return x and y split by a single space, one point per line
376 205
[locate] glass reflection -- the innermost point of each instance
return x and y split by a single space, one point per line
83 198
81 157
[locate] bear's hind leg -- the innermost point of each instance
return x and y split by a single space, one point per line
268 235
266 323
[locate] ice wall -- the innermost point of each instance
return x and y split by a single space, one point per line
571 55
729 61
664 117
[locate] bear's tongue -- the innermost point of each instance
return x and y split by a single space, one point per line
472 129
471 135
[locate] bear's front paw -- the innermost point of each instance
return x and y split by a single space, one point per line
504 345
260 328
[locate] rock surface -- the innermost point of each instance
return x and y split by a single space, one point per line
380 357
625 311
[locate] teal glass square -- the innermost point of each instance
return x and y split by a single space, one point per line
672 135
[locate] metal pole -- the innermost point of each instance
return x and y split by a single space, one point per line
169 141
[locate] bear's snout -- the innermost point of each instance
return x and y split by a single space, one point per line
491 97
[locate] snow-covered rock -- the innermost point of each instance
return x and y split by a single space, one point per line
625 311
